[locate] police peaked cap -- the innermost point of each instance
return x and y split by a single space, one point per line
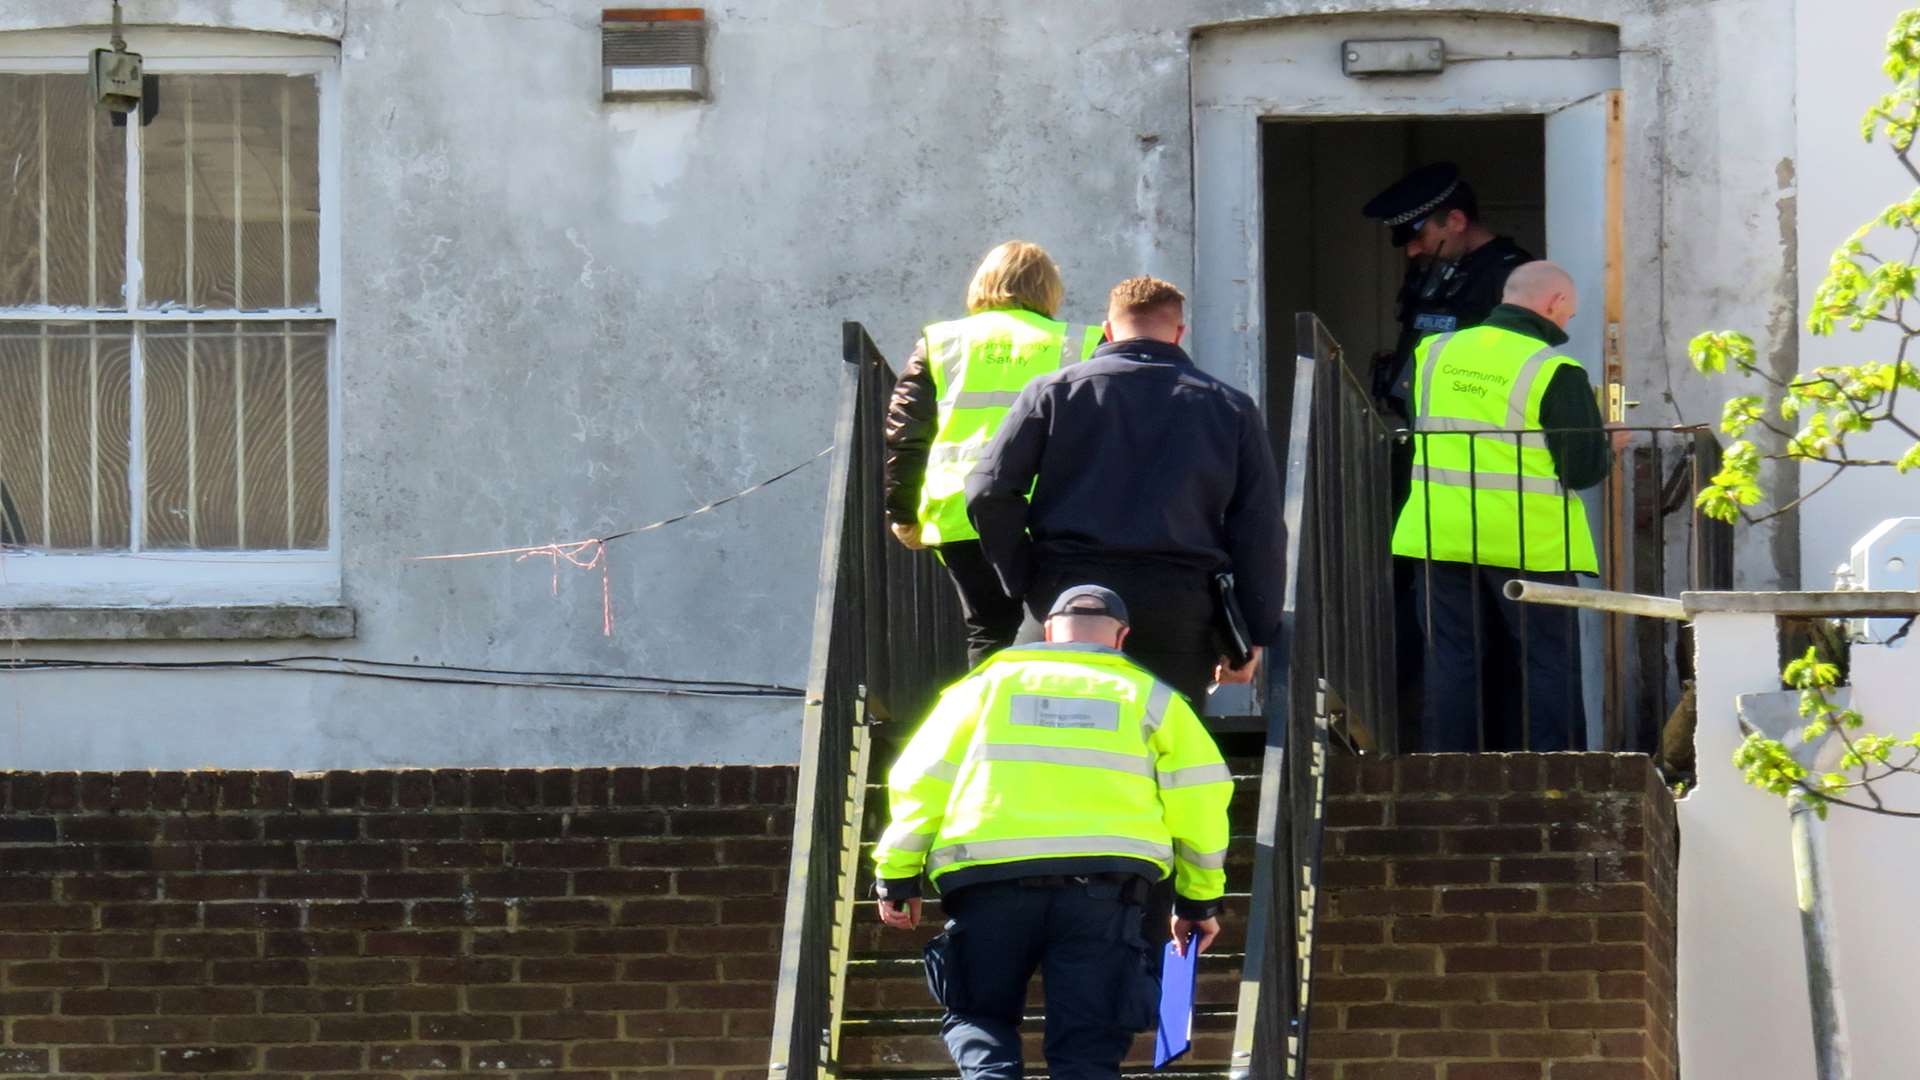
1406 205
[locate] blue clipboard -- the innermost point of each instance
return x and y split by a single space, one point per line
1175 1033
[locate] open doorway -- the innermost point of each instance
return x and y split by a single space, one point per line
1322 256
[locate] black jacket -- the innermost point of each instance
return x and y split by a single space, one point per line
1135 456
1568 411
1438 297
913 417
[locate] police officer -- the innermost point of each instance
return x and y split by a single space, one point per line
1137 471
1456 266
950 400
1043 795
1488 506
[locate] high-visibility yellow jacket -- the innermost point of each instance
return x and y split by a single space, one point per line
1485 486
979 365
1067 755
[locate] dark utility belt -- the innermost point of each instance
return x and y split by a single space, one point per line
1134 889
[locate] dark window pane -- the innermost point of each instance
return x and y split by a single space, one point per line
230 204
63 180
237 435
64 435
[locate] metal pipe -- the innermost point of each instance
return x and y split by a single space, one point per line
1776 715
1625 603
1817 939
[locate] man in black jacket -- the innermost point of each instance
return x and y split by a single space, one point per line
1147 476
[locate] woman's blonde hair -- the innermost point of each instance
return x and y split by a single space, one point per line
1019 275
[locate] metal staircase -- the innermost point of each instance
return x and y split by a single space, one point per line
852 1001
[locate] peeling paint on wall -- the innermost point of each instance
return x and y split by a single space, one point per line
651 148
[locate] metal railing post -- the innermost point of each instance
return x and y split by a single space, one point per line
886 637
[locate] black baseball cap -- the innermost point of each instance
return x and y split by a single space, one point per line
1089 600
1406 205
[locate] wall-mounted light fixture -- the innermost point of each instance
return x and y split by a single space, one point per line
115 73
651 53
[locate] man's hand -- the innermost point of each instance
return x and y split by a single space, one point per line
906 916
1223 673
1617 436
1208 928
908 535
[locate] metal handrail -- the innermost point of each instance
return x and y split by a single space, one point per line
886 637
1622 603
1306 671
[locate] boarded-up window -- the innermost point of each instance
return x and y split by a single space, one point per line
164 359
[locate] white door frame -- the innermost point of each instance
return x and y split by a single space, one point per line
1291 68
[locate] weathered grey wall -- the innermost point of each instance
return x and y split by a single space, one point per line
1842 181
563 316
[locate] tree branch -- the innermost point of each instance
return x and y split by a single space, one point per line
1817 794
1839 468
1833 722
1892 770
1904 160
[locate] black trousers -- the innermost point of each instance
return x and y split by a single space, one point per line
992 617
1174 631
1100 976
1513 667
1409 642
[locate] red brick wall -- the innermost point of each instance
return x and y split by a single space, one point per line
1496 917
583 924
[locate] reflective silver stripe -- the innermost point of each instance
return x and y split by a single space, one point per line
950 353
984 399
905 841
1523 381
1072 344
1195 775
1494 483
1205 860
955 453
1456 424
1037 847
1157 701
1137 764
942 770
1426 375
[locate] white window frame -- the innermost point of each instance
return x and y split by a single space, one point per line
194 578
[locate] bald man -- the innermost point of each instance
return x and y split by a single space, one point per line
1506 431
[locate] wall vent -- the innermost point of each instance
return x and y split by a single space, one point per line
652 53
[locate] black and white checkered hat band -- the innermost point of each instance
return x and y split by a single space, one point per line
1424 208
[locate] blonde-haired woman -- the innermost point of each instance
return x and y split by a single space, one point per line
950 402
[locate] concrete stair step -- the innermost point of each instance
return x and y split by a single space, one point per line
911 1041
888 1073
875 986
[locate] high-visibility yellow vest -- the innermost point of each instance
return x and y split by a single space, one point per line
1479 497
1060 751
980 364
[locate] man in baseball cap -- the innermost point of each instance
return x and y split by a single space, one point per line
1056 795
1090 601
